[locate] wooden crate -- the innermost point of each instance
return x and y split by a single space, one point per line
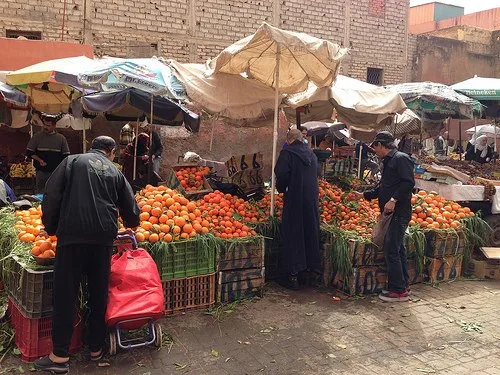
363 280
442 243
233 285
173 182
240 255
442 269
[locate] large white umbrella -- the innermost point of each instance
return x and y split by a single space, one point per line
357 103
229 95
284 60
488 129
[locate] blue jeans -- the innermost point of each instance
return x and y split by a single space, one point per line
395 255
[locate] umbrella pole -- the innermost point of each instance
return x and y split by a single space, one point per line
84 139
150 156
135 149
421 133
275 130
448 137
496 146
297 118
214 119
460 138
475 133
359 161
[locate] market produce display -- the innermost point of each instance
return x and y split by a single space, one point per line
191 178
22 170
471 168
169 216
30 230
433 212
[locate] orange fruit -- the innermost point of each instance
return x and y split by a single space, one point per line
139 237
153 237
144 216
35 250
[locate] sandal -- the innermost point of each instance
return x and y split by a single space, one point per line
97 358
46 364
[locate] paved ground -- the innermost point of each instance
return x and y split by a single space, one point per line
307 332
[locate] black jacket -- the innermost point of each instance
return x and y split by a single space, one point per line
397 182
156 146
83 199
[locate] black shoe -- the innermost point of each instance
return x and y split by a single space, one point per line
315 279
290 282
46 364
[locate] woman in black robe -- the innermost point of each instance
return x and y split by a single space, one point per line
296 177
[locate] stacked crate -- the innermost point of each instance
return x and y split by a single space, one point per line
444 252
368 275
240 266
187 271
30 305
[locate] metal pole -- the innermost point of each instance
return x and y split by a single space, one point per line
150 155
359 161
297 118
84 143
460 137
135 149
214 119
276 120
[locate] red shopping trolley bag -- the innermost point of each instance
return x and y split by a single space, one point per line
135 289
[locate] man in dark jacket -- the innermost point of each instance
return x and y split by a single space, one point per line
47 148
394 195
84 198
296 177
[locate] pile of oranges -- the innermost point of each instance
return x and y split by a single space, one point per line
191 178
30 230
228 215
344 210
432 211
167 216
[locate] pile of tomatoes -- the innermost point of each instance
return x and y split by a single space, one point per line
191 178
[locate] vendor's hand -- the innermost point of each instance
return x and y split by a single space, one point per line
389 207
42 163
357 194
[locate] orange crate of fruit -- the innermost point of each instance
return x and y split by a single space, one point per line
189 180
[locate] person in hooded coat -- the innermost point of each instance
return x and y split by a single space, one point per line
296 177
479 151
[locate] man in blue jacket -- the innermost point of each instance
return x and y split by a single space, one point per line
83 199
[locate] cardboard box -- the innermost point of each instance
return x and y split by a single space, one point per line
442 269
489 267
363 280
441 243
241 255
233 285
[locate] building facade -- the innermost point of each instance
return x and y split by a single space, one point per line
196 30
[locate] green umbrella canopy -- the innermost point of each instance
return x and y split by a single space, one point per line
437 100
479 88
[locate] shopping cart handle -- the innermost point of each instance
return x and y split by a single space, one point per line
127 236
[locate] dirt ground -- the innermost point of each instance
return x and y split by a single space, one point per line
447 329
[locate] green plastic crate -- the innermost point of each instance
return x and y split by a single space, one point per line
182 259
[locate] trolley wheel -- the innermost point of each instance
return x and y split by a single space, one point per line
157 328
112 343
